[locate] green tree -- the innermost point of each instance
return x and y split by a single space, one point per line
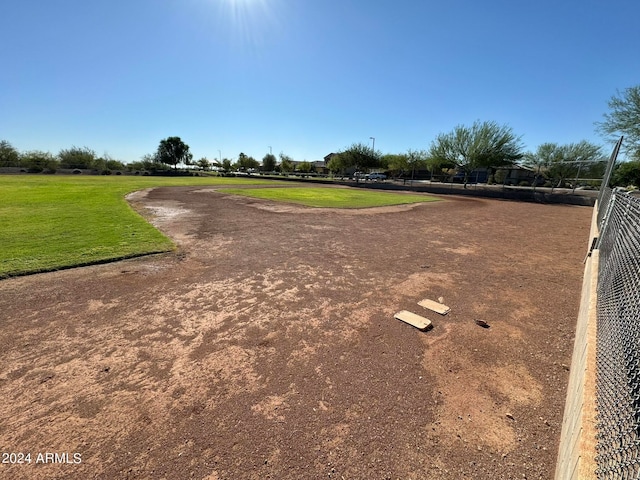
135 166
437 167
595 171
113 164
203 164
623 118
336 165
559 162
305 167
75 157
9 156
241 161
226 165
359 156
286 163
415 160
541 160
411 161
570 159
269 162
383 162
37 161
172 151
151 163
484 144
245 162
396 162
107 162
626 174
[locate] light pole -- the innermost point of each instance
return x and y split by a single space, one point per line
220 156
270 152
373 148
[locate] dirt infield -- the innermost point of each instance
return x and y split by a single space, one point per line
265 346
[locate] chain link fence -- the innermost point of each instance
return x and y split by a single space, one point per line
618 337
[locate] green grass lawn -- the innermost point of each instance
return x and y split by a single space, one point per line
332 197
48 222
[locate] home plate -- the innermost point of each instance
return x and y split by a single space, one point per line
417 321
435 306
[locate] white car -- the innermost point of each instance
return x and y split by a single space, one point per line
377 176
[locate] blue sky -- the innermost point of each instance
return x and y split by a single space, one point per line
307 77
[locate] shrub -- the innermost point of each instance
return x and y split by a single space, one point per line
106 172
75 157
36 161
77 172
9 156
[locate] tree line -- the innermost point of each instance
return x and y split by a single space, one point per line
74 158
484 144
488 145
172 151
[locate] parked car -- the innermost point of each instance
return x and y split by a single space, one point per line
376 176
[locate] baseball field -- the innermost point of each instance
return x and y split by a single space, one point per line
262 342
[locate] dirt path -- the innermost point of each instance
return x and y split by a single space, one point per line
265 346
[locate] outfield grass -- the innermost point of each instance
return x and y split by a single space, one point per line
332 197
53 222
49 222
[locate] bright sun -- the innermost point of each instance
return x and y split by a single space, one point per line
250 19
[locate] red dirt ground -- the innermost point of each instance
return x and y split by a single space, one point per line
265 346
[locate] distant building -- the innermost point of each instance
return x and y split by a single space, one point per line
327 158
320 166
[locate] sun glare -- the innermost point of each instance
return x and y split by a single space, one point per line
249 19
